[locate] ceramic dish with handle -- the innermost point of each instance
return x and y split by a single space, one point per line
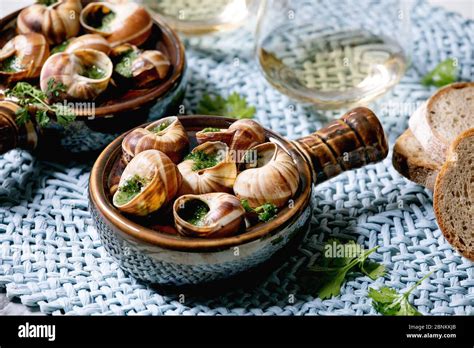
158 248
118 108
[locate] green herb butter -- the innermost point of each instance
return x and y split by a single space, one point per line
10 65
124 65
131 188
93 72
160 127
194 212
210 129
202 160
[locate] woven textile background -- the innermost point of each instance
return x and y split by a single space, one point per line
51 256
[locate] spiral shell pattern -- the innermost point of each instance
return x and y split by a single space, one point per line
219 178
67 68
31 50
274 179
92 41
57 22
163 180
224 218
173 140
131 23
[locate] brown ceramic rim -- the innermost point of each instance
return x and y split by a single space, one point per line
112 216
150 95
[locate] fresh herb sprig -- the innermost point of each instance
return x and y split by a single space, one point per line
443 74
329 274
234 106
265 212
388 301
28 96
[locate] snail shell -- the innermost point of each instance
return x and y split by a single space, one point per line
145 67
219 178
13 135
150 66
130 22
162 183
272 178
173 140
92 41
240 136
57 22
69 68
30 51
224 218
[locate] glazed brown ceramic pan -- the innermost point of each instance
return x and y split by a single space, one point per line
156 256
114 112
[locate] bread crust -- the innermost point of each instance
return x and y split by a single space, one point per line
447 166
422 172
431 140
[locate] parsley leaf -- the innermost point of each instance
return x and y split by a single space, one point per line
329 274
387 301
28 96
443 74
234 106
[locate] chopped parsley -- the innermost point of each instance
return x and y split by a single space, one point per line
130 189
202 160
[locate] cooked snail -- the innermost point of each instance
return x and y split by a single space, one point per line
117 22
148 182
271 178
167 135
209 215
141 68
92 41
85 73
23 57
57 20
240 136
208 168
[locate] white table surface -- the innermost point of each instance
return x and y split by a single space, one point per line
465 7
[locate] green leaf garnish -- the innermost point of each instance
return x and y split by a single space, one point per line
47 2
388 301
443 74
234 106
28 96
327 277
265 212
202 160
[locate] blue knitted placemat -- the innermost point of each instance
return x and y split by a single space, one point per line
52 257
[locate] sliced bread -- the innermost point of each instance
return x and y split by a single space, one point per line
449 112
411 160
454 195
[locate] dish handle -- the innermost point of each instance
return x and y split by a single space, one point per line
354 140
13 135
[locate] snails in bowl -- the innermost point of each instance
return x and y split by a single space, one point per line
208 168
23 57
167 135
92 41
85 73
240 136
122 22
210 215
271 178
148 182
57 20
139 68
